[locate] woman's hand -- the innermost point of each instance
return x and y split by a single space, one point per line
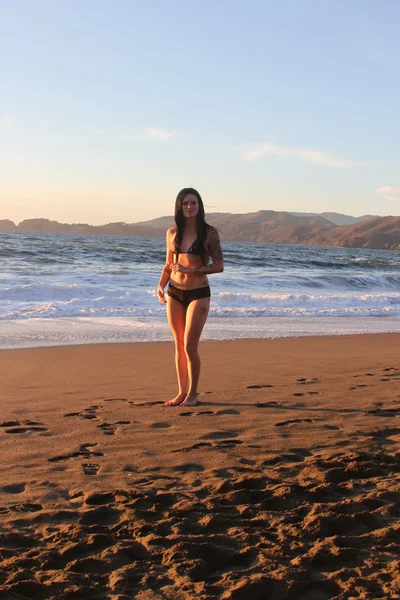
178 268
161 295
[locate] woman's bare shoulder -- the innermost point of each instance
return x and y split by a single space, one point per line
171 231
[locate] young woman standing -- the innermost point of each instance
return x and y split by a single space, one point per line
190 246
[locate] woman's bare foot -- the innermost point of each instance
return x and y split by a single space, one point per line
190 401
177 400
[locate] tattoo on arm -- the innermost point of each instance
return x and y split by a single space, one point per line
215 247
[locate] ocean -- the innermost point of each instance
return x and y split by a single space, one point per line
58 289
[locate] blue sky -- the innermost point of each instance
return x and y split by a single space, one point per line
109 107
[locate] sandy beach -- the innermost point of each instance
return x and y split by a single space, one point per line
282 483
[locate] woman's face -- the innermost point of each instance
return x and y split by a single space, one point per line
190 206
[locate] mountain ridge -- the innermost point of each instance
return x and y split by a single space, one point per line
263 226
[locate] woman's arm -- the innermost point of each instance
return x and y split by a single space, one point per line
213 246
166 272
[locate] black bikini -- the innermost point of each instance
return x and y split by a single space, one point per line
185 297
194 248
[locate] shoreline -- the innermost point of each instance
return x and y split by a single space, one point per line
103 344
71 331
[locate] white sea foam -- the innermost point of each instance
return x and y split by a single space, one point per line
73 331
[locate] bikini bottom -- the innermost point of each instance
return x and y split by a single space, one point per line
185 297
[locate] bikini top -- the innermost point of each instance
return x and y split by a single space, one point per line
193 249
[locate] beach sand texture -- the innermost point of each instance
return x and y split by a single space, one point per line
283 483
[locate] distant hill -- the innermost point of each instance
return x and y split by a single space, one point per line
265 226
271 227
336 218
378 232
332 217
6 225
47 226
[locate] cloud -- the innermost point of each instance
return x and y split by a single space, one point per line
325 158
393 198
161 135
6 121
385 190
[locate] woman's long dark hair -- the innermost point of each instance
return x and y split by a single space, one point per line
201 226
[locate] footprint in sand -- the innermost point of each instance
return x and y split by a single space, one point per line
259 386
25 507
218 435
111 428
271 404
196 414
28 507
130 469
309 380
384 412
365 375
227 411
390 374
297 455
18 427
102 498
355 387
227 443
115 400
107 428
84 451
25 429
90 468
219 443
247 461
193 447
189 467
383 436
155 403
89 413
293 422
14 488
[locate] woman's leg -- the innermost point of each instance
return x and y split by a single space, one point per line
176 313
196 316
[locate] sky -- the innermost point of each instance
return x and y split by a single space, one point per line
109 107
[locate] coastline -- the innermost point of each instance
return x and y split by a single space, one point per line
66 331
284 480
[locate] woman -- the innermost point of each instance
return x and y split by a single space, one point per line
190 245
